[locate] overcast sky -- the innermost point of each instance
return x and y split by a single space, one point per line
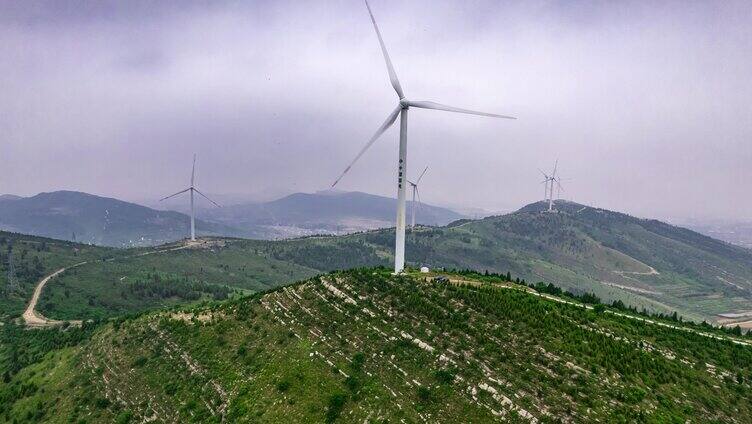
646 105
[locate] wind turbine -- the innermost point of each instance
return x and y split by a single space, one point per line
546 180
549 190
403 106
559 188
415 191
192 189
551 195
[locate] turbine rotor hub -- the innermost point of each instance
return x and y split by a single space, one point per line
404 103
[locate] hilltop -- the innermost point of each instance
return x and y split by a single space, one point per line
364 345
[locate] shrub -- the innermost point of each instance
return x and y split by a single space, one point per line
424 394
139 362
443 376
124 417
334 406
283 386
102 403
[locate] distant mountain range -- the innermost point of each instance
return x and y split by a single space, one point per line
334 213
87 218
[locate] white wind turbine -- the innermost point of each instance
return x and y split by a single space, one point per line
402 107
192 189
415 191
549 190
546 180
559 188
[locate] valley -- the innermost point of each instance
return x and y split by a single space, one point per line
642 263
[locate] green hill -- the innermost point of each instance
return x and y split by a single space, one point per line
643 263
33 258
110 282
365 346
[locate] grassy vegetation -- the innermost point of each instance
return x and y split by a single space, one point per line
136 283
363 344
644 264
33 258
640 263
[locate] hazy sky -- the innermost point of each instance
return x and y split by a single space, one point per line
645 104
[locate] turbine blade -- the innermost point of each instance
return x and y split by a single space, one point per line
193 171
387 123
204 196
439 106
556 164
389 66
417 194
173 195
421 176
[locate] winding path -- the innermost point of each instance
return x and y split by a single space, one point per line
32 318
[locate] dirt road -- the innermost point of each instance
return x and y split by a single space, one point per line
32 318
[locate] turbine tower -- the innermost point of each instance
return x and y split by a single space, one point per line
546 180
551 193
192 189
559 188
403 106
415 191
549 180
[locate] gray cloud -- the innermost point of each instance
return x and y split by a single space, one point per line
645 104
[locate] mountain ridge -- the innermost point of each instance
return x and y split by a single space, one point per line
327 212
97 220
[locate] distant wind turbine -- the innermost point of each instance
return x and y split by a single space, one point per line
549 180
192 189
551 194
546 180
559 188
402 107
415 191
